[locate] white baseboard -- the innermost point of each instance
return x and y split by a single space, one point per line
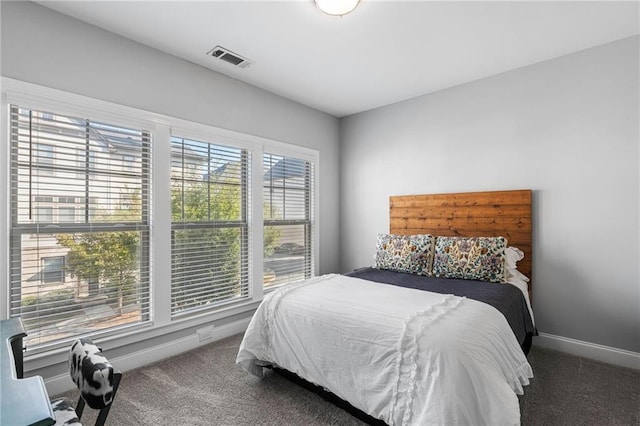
602 353
62 383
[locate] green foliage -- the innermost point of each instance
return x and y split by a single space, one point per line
52 297
107 257
272 234
272 237
59 305
205 260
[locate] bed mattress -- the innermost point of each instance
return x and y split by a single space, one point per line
402 355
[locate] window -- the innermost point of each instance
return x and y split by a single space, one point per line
85 254
128 162
101 246
209 228
42 162
44 214
53 269
67 214
288 219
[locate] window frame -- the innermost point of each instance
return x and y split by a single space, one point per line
45 164
18 228
242 223
61 272
42 98
308 223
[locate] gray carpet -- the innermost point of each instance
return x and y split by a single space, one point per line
204 387
570 390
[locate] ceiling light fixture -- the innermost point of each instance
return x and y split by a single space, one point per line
337 7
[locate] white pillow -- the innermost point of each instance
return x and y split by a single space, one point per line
517 276
512 255
512 276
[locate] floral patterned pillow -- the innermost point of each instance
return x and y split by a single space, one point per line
405 253
476 258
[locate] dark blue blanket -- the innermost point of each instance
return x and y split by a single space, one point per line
506 298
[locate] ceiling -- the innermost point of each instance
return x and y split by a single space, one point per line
383 52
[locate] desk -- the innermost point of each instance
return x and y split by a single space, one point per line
22 401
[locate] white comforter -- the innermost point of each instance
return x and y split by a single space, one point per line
406 356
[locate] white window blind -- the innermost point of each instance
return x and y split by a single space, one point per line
209 229
79 256
288 219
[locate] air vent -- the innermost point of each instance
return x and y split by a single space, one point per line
228 56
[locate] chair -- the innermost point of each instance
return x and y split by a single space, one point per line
95 378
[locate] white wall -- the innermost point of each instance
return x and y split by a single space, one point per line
567 129
50 49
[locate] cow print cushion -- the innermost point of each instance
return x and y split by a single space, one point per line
64 413
92 373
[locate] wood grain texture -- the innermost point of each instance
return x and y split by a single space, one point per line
468 214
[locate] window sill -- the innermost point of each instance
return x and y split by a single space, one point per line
141 333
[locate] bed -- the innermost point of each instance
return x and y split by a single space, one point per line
404 347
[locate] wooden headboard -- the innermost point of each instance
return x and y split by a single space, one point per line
467 214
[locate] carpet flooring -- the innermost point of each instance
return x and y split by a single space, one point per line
205 387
